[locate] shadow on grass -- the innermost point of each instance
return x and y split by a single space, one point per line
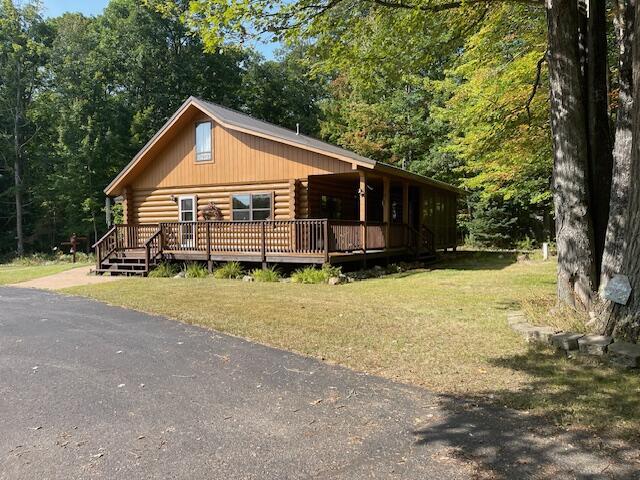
544 429
476 260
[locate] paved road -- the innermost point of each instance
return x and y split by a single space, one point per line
93 391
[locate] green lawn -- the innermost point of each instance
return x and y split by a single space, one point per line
444 329
16 273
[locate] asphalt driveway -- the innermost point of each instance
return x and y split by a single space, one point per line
93 391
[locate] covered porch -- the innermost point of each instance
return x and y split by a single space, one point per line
391 204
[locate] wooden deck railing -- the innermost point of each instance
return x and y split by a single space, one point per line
285 237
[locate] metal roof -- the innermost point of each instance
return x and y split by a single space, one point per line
242 120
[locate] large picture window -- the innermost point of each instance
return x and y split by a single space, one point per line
251 206
203 142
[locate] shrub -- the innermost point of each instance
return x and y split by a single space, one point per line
195 270
229 270
315 275
164 270
37 259
265 275
527 243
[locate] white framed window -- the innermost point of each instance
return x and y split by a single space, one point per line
251 206
204 144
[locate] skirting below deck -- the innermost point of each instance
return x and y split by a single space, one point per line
334 257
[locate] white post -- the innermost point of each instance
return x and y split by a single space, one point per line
545 251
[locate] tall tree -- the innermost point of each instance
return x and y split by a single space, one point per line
22 50
615 242
622 320
595 83
574 226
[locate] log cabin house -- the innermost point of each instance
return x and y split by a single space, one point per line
218 185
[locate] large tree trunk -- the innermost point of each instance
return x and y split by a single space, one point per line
17 164
625 319
621 181
574 228
600 163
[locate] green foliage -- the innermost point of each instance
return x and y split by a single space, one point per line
195 270
527 243
230 270
35 259
505 150
117 212
315 275
266 274
164 270
442 93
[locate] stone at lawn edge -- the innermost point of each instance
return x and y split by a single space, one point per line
247 278
566 341
624 354
335 281
543 334
594 344
618 289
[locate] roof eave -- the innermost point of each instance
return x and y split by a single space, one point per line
420 178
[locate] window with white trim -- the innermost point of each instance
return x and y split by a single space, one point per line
203 142
251 206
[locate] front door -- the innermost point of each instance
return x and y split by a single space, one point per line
187 218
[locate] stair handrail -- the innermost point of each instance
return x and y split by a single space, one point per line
111 230
155 239
103 253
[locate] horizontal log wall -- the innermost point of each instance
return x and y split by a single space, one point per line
302 198
155 205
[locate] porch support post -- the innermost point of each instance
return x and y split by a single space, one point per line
405 210
405 202
386 208
363 211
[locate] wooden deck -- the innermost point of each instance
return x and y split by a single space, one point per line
136 249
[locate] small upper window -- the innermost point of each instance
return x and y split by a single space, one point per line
203 141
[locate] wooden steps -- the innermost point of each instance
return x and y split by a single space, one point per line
129 262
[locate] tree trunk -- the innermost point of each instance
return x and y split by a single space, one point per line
625 319
17 162
621 181
600 163
574 228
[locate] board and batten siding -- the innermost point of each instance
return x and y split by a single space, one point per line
237 158
241 163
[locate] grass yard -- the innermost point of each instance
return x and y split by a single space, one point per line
16 273
443 329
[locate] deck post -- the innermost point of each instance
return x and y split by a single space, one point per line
263 245
209 262
325 226
386 209
363 215
147 259
405 210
